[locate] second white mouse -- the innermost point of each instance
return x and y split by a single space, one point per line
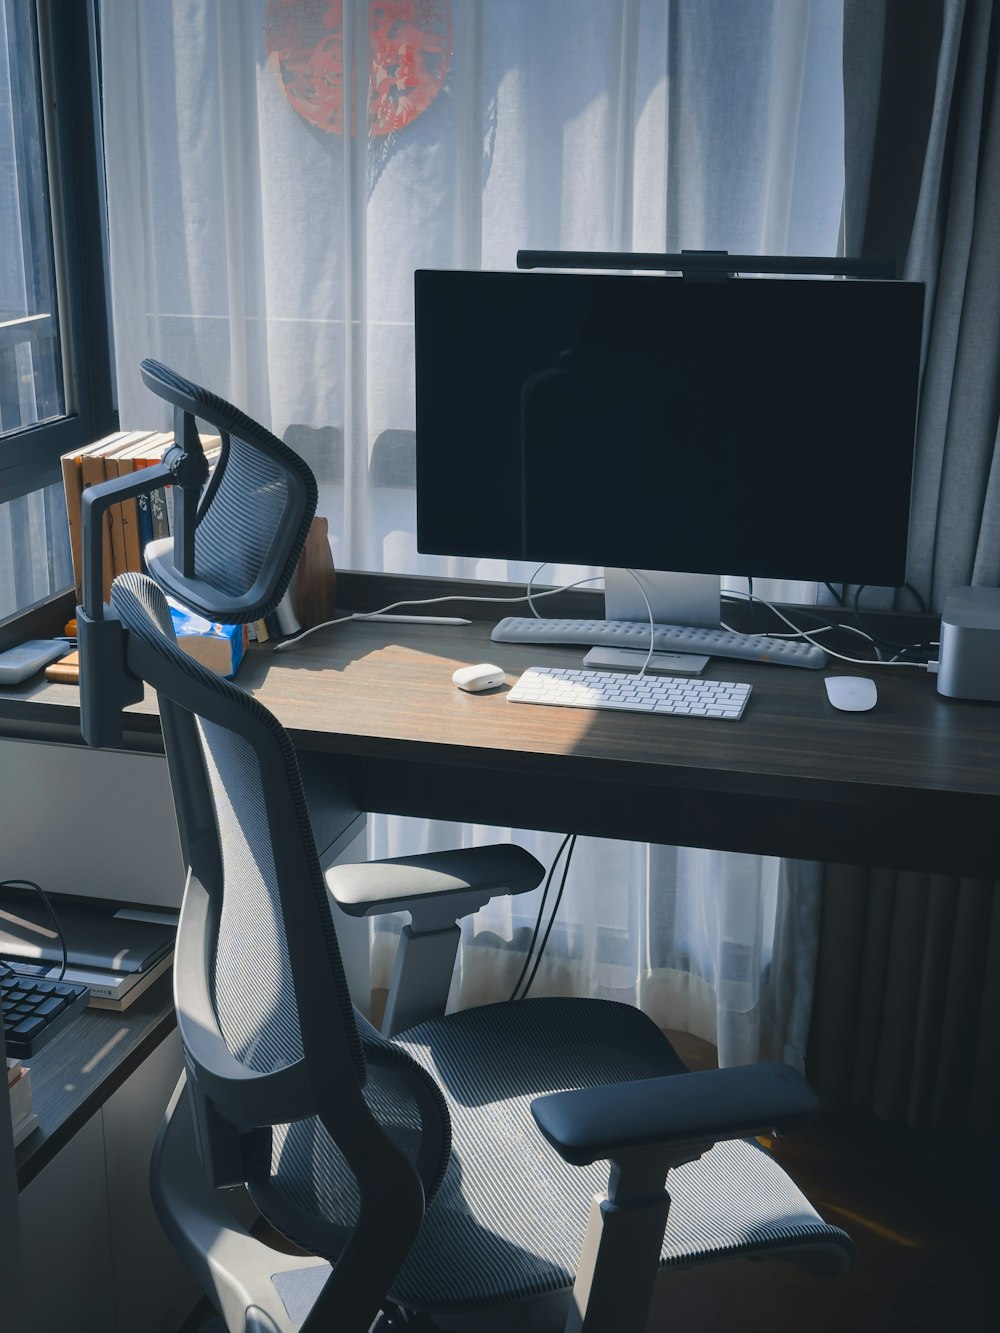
483 676
851 694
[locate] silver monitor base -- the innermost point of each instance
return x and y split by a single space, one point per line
675 599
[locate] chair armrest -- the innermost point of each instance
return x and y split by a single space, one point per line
403 883
683 1113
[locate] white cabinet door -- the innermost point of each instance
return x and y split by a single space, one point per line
153 1290
65 1241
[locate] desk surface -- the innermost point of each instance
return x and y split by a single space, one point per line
913 784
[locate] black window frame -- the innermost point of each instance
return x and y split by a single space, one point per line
68 42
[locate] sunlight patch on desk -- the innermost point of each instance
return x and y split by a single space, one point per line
105 1050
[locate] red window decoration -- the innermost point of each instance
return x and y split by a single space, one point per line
410 42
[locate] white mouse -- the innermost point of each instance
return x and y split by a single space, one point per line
851 694
483 676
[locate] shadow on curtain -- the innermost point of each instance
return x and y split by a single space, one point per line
907 1002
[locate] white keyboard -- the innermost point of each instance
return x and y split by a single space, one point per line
568 687
666 639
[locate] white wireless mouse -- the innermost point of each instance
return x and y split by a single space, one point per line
851 694
483 676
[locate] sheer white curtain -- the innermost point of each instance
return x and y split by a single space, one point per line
266 253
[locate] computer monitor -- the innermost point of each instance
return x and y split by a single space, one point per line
756 426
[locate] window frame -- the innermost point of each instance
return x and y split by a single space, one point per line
68 53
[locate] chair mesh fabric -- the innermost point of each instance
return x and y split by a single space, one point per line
510 1216
253 992
309 1170
254 996
235 531
143 608
257 1011
248 499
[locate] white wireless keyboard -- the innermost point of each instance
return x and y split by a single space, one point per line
666 639
571 688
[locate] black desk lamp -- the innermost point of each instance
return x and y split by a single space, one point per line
234 549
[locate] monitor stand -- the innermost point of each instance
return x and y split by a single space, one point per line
675 599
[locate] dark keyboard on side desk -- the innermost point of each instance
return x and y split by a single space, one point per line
34 1010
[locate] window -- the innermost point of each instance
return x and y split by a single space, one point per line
55 366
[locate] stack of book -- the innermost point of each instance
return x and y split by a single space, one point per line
131 525
22 1116
117 951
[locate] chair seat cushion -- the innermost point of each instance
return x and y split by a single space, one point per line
509 1219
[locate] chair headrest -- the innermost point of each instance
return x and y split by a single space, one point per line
251 522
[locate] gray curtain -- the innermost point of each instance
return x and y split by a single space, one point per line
922 185
906 1009
907 1000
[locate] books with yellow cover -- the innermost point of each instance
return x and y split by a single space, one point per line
93 472
129 526
125 516
72 474
126 460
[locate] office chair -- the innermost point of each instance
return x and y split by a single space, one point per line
236 542
458 1171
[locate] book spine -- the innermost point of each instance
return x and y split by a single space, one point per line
93 473
158 513
145 519
130 520
72 475
116 521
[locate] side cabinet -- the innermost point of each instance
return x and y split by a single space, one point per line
94 1256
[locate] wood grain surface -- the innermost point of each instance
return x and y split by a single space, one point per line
914 784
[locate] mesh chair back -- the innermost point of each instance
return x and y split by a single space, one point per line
293 1094
253 518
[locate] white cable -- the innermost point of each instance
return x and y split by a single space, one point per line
535 574
854 661
795 634
821 629
430 601
652 623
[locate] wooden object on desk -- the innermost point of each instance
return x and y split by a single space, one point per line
315 580
65 669
914 784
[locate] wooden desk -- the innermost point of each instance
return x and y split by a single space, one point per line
914 784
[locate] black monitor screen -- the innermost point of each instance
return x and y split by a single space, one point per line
754 426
